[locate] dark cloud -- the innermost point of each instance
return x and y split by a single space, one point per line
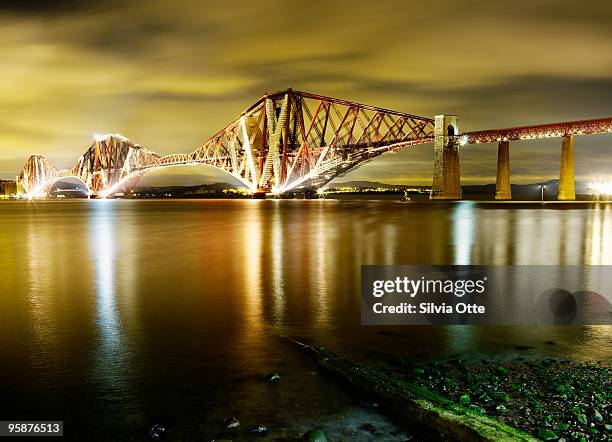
170 74
52 7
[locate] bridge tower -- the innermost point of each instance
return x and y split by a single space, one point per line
446 172
567 189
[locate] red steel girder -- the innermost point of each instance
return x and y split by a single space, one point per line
581 127
285 140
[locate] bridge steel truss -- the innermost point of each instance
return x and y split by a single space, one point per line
293 140
285 141
109 161
552 130
35 173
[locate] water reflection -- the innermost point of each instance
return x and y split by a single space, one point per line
463 232
324 267
277 270
170 302
103 253
531 237
598 236
253 255
110 356
42 308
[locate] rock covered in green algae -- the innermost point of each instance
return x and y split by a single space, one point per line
563 426
314 436
501 369
546 434
464 400
570 399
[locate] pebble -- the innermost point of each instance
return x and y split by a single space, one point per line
369 428
231 423
157 432
272 377
597 417
259 429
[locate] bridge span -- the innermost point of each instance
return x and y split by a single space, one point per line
447 185
298 141
285 141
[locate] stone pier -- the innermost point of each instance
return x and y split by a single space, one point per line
446 172
502 185
567 191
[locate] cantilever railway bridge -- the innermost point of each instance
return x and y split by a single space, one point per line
295 140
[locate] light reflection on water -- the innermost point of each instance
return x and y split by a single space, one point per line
252 265
148 304
463 232
103 247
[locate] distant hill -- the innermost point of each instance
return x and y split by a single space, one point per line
550 188
202 190
371 185
580 187
479 191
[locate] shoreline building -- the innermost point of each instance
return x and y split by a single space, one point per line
8 188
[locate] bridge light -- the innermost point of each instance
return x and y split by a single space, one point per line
463 140
98 137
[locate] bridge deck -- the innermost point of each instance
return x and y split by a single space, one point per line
581 127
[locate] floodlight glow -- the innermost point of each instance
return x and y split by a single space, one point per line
601 187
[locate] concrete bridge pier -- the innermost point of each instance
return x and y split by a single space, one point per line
567 190
446 171
502 185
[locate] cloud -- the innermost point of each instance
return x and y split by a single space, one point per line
171 74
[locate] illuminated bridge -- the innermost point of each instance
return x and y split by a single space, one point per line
286 141
298 141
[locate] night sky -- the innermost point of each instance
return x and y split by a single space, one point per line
169 74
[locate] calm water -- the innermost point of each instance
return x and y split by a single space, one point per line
119 314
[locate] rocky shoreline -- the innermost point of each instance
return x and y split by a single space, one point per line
487 399
552 399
